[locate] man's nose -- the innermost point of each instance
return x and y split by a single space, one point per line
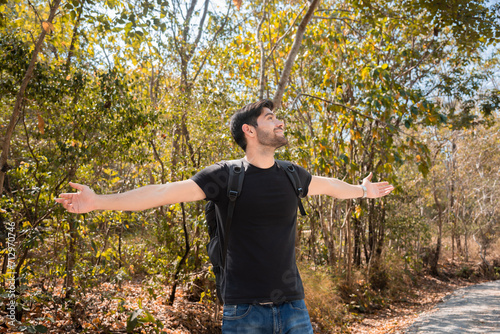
280 123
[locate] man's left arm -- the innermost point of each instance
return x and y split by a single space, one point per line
339 189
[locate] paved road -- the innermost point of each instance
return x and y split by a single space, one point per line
475 309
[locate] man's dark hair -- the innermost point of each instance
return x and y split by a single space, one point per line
247 115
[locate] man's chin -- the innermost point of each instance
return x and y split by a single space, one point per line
282 143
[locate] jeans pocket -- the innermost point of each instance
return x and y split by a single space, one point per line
235 312
299 305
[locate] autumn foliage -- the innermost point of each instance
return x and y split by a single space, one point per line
121 94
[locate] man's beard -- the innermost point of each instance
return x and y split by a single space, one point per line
271 140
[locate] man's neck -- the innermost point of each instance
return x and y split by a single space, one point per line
260 158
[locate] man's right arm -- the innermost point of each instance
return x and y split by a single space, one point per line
150 196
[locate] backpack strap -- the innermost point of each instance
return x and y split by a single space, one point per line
293 176
234 185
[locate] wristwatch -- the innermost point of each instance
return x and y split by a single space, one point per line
365 192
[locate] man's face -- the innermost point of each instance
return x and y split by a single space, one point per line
270 130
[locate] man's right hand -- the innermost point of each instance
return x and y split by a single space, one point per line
79 202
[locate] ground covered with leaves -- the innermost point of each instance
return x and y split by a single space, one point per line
111 308
132 307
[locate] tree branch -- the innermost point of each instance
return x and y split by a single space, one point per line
263 59
226 19
334 18
200 31
354 111
74 37
285 75
283 36
20 97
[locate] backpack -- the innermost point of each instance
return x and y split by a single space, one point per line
217 246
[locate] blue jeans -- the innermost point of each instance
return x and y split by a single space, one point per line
287 318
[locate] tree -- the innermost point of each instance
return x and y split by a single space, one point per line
46 27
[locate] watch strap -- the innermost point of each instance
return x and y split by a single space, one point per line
365 192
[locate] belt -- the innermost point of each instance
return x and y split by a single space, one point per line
267 303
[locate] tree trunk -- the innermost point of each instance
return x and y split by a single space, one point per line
3 242
326 224
171 299
377 237
381 235
70 258
74 37
331 246
348 258
357 242
285 75
312 240
262 70
451 211
437 250
20 97
17 284
371 231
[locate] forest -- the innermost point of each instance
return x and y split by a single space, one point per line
119 94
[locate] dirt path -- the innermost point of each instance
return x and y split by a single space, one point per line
474 309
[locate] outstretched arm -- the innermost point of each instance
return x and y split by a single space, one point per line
343 190
85 200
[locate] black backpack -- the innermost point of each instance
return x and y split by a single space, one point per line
217 246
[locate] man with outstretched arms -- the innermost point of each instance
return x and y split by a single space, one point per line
262 289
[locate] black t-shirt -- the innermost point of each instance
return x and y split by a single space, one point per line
260 265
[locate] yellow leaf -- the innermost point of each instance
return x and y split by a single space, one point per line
48 27
41 124
365 73
356 135
358 211
238 3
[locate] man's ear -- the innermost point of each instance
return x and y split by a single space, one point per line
249 130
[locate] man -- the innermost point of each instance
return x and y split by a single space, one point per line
262 290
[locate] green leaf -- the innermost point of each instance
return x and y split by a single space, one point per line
148 317
41 329
133 320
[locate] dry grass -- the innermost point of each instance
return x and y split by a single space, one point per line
327 310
